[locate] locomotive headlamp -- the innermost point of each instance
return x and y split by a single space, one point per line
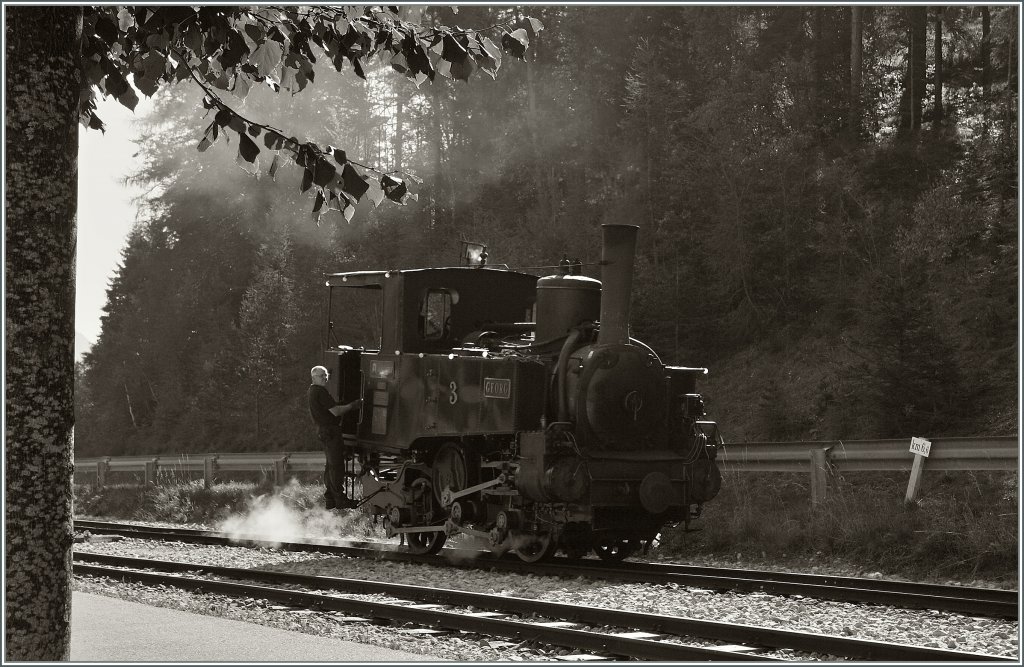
473 254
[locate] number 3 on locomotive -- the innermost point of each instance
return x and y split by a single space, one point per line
453 395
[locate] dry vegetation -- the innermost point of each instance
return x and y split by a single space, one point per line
964 527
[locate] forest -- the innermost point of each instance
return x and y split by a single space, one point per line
826 195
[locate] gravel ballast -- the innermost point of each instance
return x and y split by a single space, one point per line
919 627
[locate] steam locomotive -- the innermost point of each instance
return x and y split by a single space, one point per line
518 410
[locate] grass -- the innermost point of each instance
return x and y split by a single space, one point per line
964 526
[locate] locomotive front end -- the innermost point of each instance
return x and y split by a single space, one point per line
630 450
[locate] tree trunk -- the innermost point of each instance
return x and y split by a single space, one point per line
914 79
856 67
986 67
986 53
42 85
399 135
939 112
819 62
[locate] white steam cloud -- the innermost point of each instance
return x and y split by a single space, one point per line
271 517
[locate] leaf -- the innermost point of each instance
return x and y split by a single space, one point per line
106 29
241 87
452 50
349 212
114 84
490 61
339 156
399 63
317 205
157 42
96 124
247 148
374 192
194 39
209 137
535 24
462 69
323 172
273 140
125 19
251 168
307 180
255 32
353 183
237 124
128 98
267 56
515 43
275 164
223 117
394 189
358 67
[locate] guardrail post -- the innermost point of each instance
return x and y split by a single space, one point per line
209 466
102 468
916 473
280 468
151 472
819 475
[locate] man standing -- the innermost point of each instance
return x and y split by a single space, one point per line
326 413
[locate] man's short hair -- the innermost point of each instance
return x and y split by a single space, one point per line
314 369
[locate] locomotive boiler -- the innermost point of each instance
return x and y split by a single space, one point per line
518 410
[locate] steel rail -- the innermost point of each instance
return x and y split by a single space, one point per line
644 649
1003 596
653 623
957 599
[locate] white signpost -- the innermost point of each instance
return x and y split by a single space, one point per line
920 448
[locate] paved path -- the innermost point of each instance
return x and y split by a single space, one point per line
105 629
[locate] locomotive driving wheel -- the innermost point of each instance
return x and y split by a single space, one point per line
425 543
423 512
615 551
537 548
449 469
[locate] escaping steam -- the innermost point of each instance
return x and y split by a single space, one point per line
278 518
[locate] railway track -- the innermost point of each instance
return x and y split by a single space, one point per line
989 602
606 632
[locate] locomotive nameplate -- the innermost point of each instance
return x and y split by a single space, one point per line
497 388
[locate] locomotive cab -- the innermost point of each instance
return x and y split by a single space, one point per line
422 317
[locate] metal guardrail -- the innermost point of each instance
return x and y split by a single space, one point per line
819 458
991 453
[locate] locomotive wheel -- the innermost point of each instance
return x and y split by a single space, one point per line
541 547
617 550
425 543
449 469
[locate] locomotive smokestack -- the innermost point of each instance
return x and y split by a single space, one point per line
617 256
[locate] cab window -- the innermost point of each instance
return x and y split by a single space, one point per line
356 317
436 312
